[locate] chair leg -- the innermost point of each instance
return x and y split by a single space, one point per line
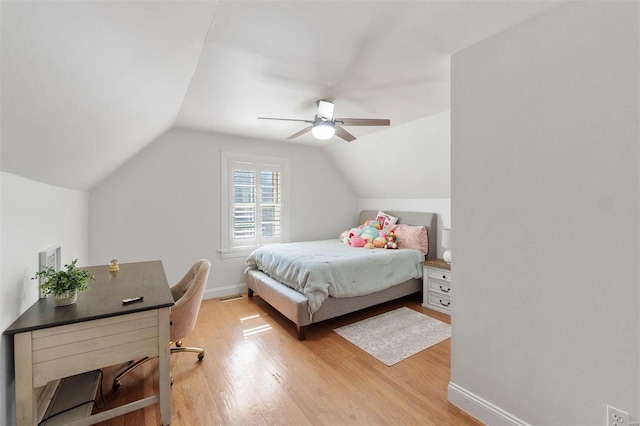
132 365
199 351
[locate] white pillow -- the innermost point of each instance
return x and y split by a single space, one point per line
386 221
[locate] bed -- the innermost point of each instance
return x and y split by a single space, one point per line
303 310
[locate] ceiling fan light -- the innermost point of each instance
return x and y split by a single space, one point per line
323 131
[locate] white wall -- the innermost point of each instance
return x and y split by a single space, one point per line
545 207
34 216
408 161
165 204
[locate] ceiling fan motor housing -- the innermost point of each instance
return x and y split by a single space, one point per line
325 110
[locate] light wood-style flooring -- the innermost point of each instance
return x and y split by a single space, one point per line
257 372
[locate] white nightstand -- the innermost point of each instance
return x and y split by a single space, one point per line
436 276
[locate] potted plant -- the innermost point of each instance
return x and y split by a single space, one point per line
64 284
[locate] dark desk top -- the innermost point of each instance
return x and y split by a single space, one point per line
104 297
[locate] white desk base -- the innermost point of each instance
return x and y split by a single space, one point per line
56 352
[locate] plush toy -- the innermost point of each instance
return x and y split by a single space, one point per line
379 242
346 236
357 242
373 223
369 233
391 241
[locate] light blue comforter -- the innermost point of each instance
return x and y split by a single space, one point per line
320 269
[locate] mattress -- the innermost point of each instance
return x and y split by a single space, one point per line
319 269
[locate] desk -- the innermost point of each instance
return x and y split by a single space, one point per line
98 330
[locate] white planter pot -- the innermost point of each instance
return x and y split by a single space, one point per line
65 299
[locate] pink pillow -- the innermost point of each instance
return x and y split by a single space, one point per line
414 237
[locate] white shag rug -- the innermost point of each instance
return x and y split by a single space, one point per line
395 335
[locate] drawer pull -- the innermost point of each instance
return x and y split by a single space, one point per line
445 290
445 304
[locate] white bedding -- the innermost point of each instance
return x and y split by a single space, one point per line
320 269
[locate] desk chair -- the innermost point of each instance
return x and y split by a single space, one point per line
187 294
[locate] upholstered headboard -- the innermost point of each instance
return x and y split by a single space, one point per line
428 220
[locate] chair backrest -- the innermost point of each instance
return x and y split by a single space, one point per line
188 295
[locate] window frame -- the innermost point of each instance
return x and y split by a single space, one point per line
260 163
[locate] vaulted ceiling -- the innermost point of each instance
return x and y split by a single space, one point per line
87 84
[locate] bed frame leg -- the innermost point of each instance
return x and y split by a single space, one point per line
250 292
302 331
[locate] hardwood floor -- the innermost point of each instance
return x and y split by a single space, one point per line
257 372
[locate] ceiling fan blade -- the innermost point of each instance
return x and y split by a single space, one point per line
301 132
340 132
364 121
285 119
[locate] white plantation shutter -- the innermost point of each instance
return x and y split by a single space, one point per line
244 206
270 205
255 190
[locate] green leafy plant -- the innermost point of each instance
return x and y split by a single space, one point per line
64 281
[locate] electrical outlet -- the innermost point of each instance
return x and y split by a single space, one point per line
617 417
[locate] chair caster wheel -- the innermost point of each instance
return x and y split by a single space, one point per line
115 385
200 357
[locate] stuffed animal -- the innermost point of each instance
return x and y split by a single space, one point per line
392 241
373 223
357 242
346 236
369 233
379 242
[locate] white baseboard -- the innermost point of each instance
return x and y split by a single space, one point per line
481 409
229 290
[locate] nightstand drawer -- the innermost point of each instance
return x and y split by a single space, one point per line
436 290
439 301
439 274
440 286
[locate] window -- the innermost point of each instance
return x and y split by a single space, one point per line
254 191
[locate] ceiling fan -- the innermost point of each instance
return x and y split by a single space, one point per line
324 126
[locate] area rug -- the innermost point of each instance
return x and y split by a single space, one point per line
395 335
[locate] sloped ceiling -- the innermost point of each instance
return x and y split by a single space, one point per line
87 84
